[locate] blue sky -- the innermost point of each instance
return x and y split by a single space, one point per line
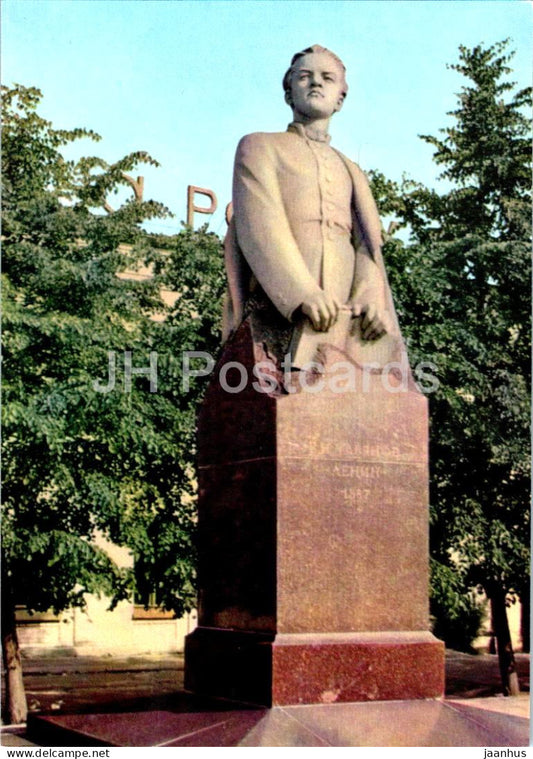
185 80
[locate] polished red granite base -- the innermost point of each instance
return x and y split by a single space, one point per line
159 728
314 668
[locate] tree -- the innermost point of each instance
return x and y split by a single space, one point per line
81 457
466 308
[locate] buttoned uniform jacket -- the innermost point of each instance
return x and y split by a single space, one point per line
262 244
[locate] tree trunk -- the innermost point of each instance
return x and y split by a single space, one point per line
15 708
509 676
525 620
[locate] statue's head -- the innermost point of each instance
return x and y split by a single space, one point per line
308 54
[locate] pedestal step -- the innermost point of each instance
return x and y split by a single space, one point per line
277 670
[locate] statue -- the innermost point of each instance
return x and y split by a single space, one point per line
303 249
312 509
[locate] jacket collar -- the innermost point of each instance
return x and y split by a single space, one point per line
307 134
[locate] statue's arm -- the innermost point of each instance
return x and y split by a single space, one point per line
369 295
263 231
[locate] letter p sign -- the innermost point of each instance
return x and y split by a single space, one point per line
191 208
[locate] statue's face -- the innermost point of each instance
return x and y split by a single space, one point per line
317 84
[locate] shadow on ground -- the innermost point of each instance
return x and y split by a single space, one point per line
478 676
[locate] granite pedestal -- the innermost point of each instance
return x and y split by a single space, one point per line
313 543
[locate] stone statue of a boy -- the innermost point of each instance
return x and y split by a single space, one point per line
305 238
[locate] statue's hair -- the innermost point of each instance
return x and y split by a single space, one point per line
312 49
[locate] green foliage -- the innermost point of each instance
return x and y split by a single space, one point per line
457 610
463 289
487 152
191 264
79 462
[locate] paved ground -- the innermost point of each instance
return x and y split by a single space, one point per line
73 684
79 685
479 676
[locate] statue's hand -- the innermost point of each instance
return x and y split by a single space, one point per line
370 303
322 310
